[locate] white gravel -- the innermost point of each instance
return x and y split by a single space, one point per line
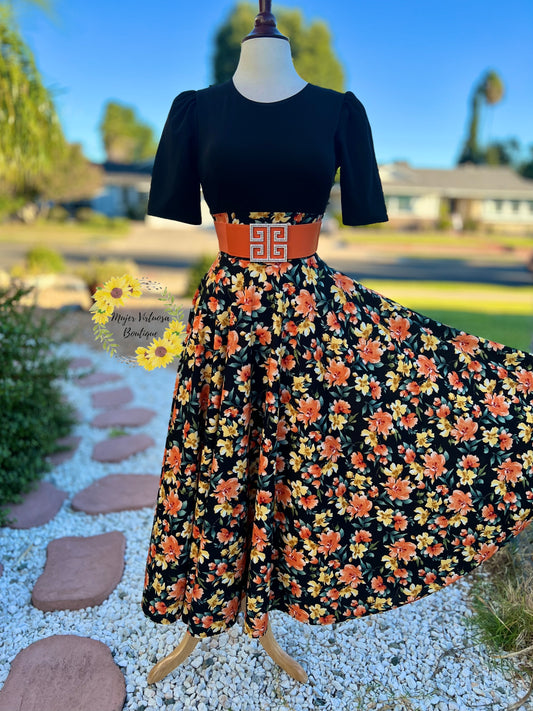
384 661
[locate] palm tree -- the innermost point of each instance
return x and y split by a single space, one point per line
490 91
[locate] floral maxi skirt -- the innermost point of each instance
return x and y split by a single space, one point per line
330 453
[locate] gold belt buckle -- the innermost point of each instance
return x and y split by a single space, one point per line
268 242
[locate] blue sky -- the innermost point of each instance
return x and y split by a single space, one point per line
412 63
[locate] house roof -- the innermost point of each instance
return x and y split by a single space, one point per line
466 180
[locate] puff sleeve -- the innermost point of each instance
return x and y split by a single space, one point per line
362 199
175 187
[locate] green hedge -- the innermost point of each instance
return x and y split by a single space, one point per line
33 414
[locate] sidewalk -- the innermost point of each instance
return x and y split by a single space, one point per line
86 638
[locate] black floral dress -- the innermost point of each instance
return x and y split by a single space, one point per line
330 453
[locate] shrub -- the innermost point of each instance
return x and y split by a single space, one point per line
42 260
97 271
97 220
33 414
197 271
58 213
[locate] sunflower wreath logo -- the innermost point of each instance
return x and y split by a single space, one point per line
114 293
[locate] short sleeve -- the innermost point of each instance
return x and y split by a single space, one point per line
362 199
175 187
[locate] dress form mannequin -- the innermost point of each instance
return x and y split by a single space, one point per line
265 73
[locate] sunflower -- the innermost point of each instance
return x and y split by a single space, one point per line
114 291
161 352
134 285
143 358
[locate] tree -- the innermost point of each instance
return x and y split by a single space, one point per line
312 53
489 91
126 139
33 149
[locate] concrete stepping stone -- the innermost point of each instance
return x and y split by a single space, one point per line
116 449
117 492
112 398
80 571
71 441
87 381
64 673
37 506
123 417
77 363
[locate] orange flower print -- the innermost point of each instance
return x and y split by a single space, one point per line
509 471
171 548
173 458
337 373
486 551
427 367
332 449
248 299
233 343
460 501
465 429
359 506
226 489
369 351
434 464
380 422
308 410
344 282
329 542
465 343
351 575
305 303
455 381
293 558
402 550
399 328
525 380
172 503
496 404
398 488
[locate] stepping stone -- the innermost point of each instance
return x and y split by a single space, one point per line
64 673
71 441
80 572
123 417
115 449
86 381
117 492
37 507
77 363
112 398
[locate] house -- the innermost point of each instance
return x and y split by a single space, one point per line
491 197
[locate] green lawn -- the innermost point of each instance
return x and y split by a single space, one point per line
500 313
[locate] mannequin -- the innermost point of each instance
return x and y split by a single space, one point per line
265 73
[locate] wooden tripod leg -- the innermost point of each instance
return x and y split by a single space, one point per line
279 655
174 659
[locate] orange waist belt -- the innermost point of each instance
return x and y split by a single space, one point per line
268 242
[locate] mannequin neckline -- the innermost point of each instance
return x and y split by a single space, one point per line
267 103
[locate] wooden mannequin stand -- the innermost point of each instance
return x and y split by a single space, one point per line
265 26
189 642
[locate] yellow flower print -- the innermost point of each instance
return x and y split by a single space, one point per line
280 217
258 215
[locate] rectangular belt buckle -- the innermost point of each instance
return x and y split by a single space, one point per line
268 242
